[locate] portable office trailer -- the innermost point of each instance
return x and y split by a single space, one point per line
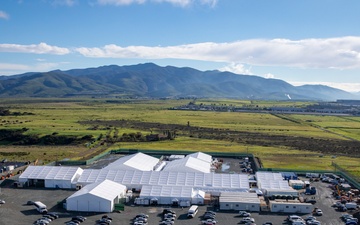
290 207
239 201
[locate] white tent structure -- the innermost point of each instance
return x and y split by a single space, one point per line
274 184
138 161
96 197
172 195
209 182
51 176
188 164
239 201
202 156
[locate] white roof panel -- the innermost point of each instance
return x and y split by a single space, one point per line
202 156
188 164
50 172
168 178
138 161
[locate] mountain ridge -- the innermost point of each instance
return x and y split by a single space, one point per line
153 81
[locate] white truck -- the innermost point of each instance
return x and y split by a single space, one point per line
192 211
351 205
40 207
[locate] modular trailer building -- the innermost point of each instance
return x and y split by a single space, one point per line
96 197
239 201
290 206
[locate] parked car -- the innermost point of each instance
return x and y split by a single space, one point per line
208 216
2 201
208 222
351 223
55 215
142 215
313 222
79 218
166 222
140 223
165 211
211 212
310 218
244 214
318 212
247 219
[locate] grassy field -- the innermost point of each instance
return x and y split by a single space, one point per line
62 116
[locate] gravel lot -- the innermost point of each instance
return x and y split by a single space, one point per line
16 212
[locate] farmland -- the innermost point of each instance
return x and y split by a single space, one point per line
288 141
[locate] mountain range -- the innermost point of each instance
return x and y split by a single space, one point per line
152 81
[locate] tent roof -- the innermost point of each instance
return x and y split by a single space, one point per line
167 178
202 156
190 164
106 189
274 185
138 161
268 176
166 191
50 172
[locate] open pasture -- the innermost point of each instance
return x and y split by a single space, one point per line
76 117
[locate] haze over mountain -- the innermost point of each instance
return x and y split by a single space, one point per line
153 81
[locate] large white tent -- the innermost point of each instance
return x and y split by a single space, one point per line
96 197
51 176
138 161
188 164
172 195
136 179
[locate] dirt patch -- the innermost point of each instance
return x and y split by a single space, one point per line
326 146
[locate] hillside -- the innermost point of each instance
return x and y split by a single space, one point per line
150 80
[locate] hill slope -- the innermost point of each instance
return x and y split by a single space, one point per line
150 80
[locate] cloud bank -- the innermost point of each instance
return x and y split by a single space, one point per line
41 48
182 3
4 15
339 53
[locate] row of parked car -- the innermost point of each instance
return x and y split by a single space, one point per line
141 219
349 219
46 218
76 220
298 220
168 217
209 218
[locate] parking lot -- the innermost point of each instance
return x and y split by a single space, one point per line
15 211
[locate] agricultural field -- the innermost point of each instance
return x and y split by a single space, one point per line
288 141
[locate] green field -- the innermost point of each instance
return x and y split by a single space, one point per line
63 116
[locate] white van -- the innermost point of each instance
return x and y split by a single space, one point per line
41 207
192 211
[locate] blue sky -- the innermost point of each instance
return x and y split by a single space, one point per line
298 41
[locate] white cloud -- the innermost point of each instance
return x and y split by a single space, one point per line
4 15
339 53
41 48
237 68
350 87
182 3
11 69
